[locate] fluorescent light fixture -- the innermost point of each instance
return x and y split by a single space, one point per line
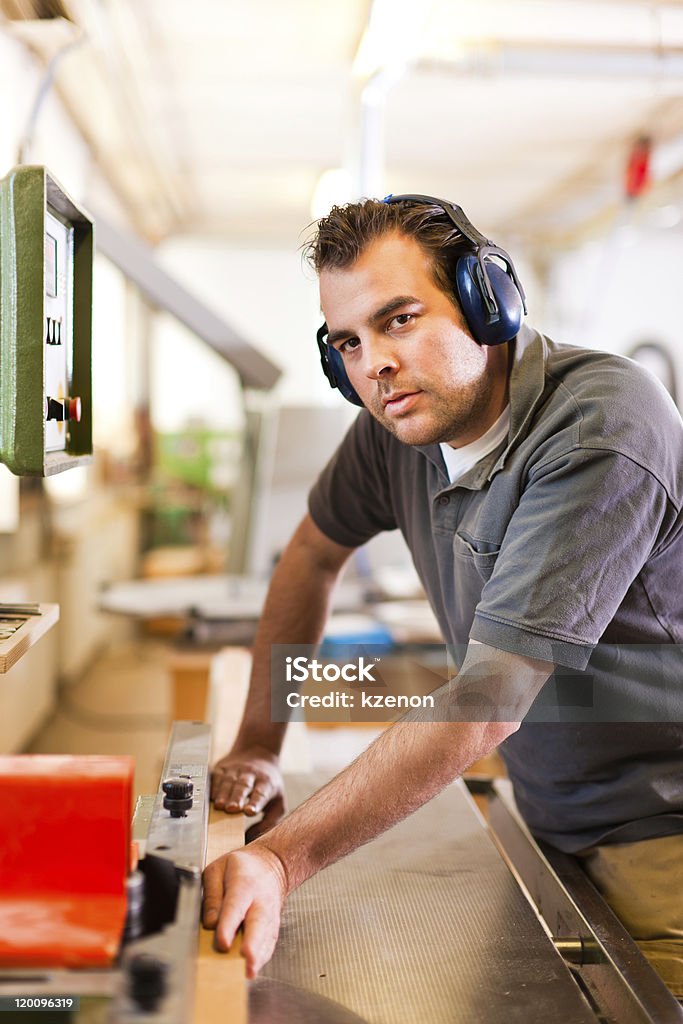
393 36
335 187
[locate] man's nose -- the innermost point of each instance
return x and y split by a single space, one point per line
381 359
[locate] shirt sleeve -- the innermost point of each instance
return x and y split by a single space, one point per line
351 499
584 528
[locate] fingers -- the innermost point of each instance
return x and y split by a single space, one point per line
227 774
249 793
222 778
224 904
233 912
246 786
213 892
260 935
245 887
231 790
240 792
261 793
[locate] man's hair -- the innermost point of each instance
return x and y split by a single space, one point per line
343 235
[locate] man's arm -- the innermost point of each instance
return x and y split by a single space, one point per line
248 778
406 766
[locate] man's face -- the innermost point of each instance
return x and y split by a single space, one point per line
406 349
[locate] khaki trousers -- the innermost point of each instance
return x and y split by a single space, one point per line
643 884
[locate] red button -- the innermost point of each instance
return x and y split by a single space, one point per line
74 409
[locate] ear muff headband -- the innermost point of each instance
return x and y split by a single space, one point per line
483 247
490 295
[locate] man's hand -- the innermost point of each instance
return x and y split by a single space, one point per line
249 780
250 887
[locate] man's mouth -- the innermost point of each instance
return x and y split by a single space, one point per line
399 401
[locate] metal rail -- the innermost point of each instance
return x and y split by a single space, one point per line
605 960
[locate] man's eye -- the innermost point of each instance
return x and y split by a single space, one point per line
401 320
349 345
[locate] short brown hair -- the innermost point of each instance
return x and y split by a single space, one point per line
346 231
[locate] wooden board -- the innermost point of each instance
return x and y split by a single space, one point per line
221 984
228 687
29 632
189 684
221 993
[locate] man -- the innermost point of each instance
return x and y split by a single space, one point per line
539 488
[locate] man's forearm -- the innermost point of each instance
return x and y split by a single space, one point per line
410 763
404 768
295 612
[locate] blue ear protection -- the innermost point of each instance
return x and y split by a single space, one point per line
490 295
333 367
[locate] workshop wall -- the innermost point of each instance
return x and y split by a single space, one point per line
68 541
621 291
268 295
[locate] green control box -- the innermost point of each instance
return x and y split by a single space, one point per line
46 269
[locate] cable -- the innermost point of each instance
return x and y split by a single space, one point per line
43 89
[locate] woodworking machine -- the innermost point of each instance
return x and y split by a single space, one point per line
103 926
445 918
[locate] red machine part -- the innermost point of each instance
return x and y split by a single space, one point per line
637 178
64 856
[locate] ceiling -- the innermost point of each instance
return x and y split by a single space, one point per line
219 117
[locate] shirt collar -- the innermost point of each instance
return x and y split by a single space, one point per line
527 383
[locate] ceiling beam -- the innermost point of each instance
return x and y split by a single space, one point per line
139 264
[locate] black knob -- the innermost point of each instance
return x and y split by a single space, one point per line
147 980
178 787
178 798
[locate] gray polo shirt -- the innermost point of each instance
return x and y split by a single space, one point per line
569 534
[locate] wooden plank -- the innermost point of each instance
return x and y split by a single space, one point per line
228 687
226 833
221 984
190 683
221 993
30 630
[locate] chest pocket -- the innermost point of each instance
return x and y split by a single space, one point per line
476 554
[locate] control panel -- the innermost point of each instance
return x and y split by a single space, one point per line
46 261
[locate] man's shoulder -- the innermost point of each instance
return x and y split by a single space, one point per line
579 365
618 404
591 373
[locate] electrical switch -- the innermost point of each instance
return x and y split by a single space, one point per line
61 410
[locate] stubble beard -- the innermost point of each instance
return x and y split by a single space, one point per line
447 416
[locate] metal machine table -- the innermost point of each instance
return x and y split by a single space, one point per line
425 924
